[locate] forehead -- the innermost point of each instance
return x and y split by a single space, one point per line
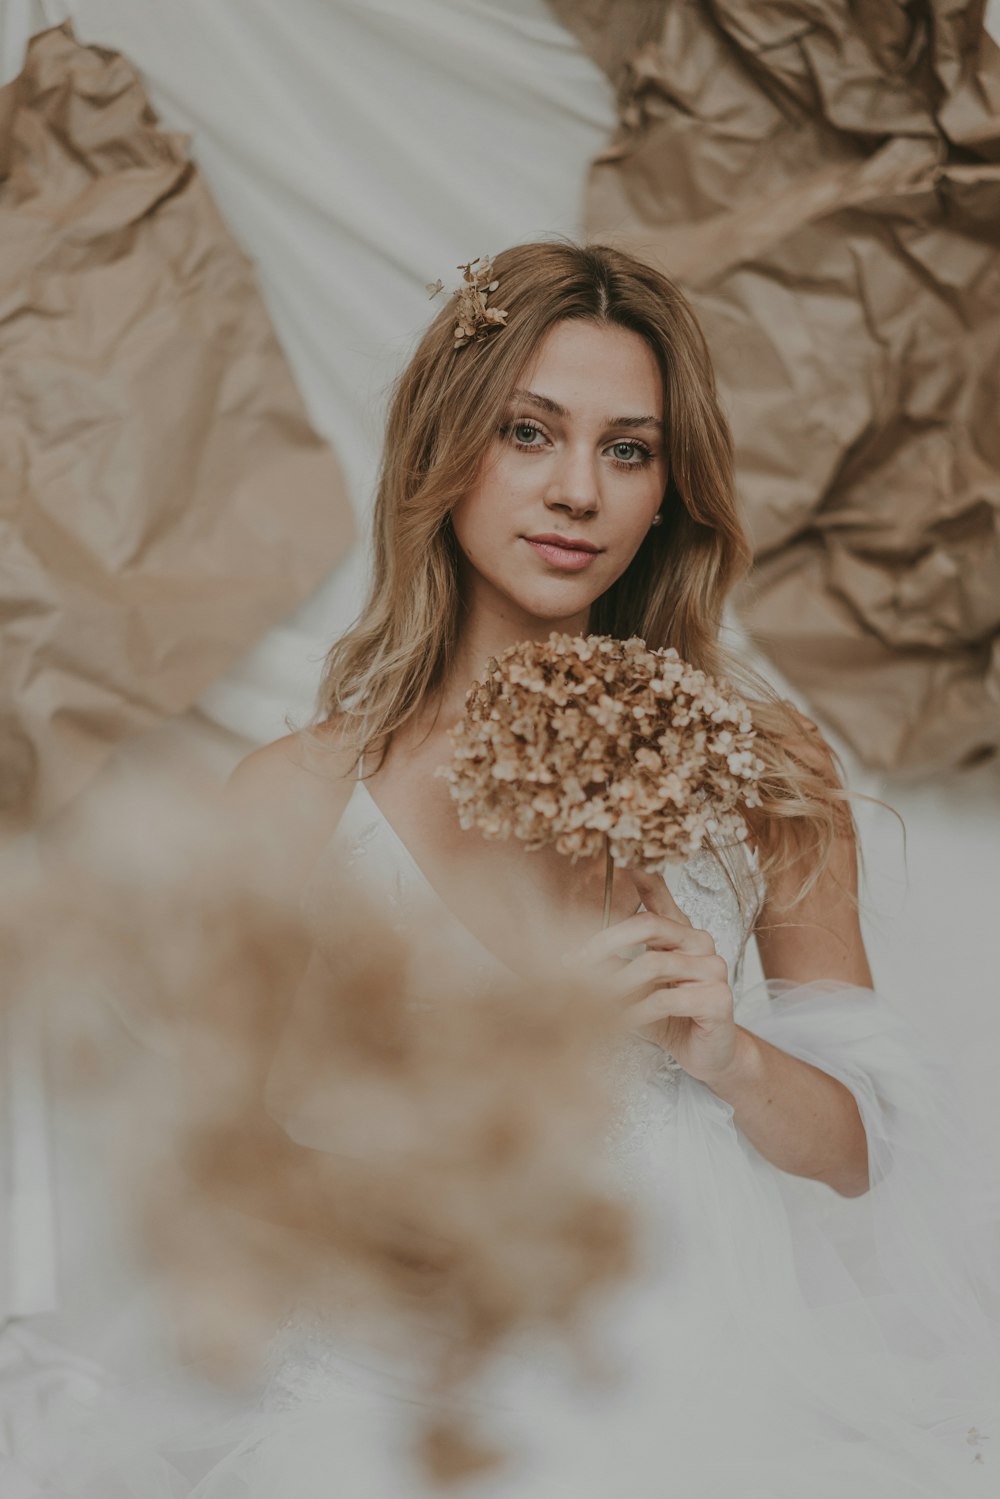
585 366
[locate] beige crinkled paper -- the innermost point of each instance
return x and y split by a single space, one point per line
163 498
824 180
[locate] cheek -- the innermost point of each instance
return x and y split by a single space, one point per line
475 524
505 478
633 514
486 511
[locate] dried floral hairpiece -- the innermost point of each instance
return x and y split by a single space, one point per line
591 742
475 319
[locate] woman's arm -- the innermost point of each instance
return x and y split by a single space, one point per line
799 1117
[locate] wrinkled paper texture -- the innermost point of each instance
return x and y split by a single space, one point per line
163 498
823 179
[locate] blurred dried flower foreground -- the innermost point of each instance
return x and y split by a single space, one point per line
312 1139
163 498
824 181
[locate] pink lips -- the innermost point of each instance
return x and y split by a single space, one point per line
562 554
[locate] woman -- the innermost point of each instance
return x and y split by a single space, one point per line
818 1321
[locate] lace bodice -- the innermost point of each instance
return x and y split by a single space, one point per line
366 845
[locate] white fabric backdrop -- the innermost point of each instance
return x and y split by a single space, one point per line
360 148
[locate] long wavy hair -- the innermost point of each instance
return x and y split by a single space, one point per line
445 408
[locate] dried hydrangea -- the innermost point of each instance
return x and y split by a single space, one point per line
596 744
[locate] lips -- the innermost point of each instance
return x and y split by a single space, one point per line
567 553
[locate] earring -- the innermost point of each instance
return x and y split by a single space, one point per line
657 519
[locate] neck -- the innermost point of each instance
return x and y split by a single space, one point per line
490 623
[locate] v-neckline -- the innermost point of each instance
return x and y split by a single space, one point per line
431 889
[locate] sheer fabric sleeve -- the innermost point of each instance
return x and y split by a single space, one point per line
923 1241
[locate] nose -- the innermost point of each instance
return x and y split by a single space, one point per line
573 487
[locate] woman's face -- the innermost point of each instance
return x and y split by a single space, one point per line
580 458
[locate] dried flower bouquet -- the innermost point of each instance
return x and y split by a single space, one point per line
589 742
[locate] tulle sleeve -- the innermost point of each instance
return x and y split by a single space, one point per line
922 1243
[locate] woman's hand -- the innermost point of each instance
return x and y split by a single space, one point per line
677 992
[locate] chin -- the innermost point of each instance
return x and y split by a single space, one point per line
554 605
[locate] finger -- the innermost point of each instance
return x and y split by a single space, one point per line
649 928
657 967
656 894
706 1004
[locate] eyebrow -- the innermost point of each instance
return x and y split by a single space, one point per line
618 422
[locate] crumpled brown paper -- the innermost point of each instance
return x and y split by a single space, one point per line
163 499
823 177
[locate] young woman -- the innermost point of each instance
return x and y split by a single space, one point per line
814 1324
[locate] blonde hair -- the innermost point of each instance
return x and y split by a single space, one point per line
446 406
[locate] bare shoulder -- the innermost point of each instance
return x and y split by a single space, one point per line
819 935
295 788
809 744
291 765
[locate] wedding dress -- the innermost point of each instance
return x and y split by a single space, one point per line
780 1341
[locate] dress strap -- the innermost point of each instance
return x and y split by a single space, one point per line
361 764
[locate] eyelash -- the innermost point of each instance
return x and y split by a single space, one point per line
526 447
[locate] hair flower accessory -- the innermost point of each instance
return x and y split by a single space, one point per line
475 319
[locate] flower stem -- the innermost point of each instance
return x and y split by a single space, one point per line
609 875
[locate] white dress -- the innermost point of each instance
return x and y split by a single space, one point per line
780 1342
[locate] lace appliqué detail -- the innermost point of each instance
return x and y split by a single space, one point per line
643 1090
358 848
396 890
308 1361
